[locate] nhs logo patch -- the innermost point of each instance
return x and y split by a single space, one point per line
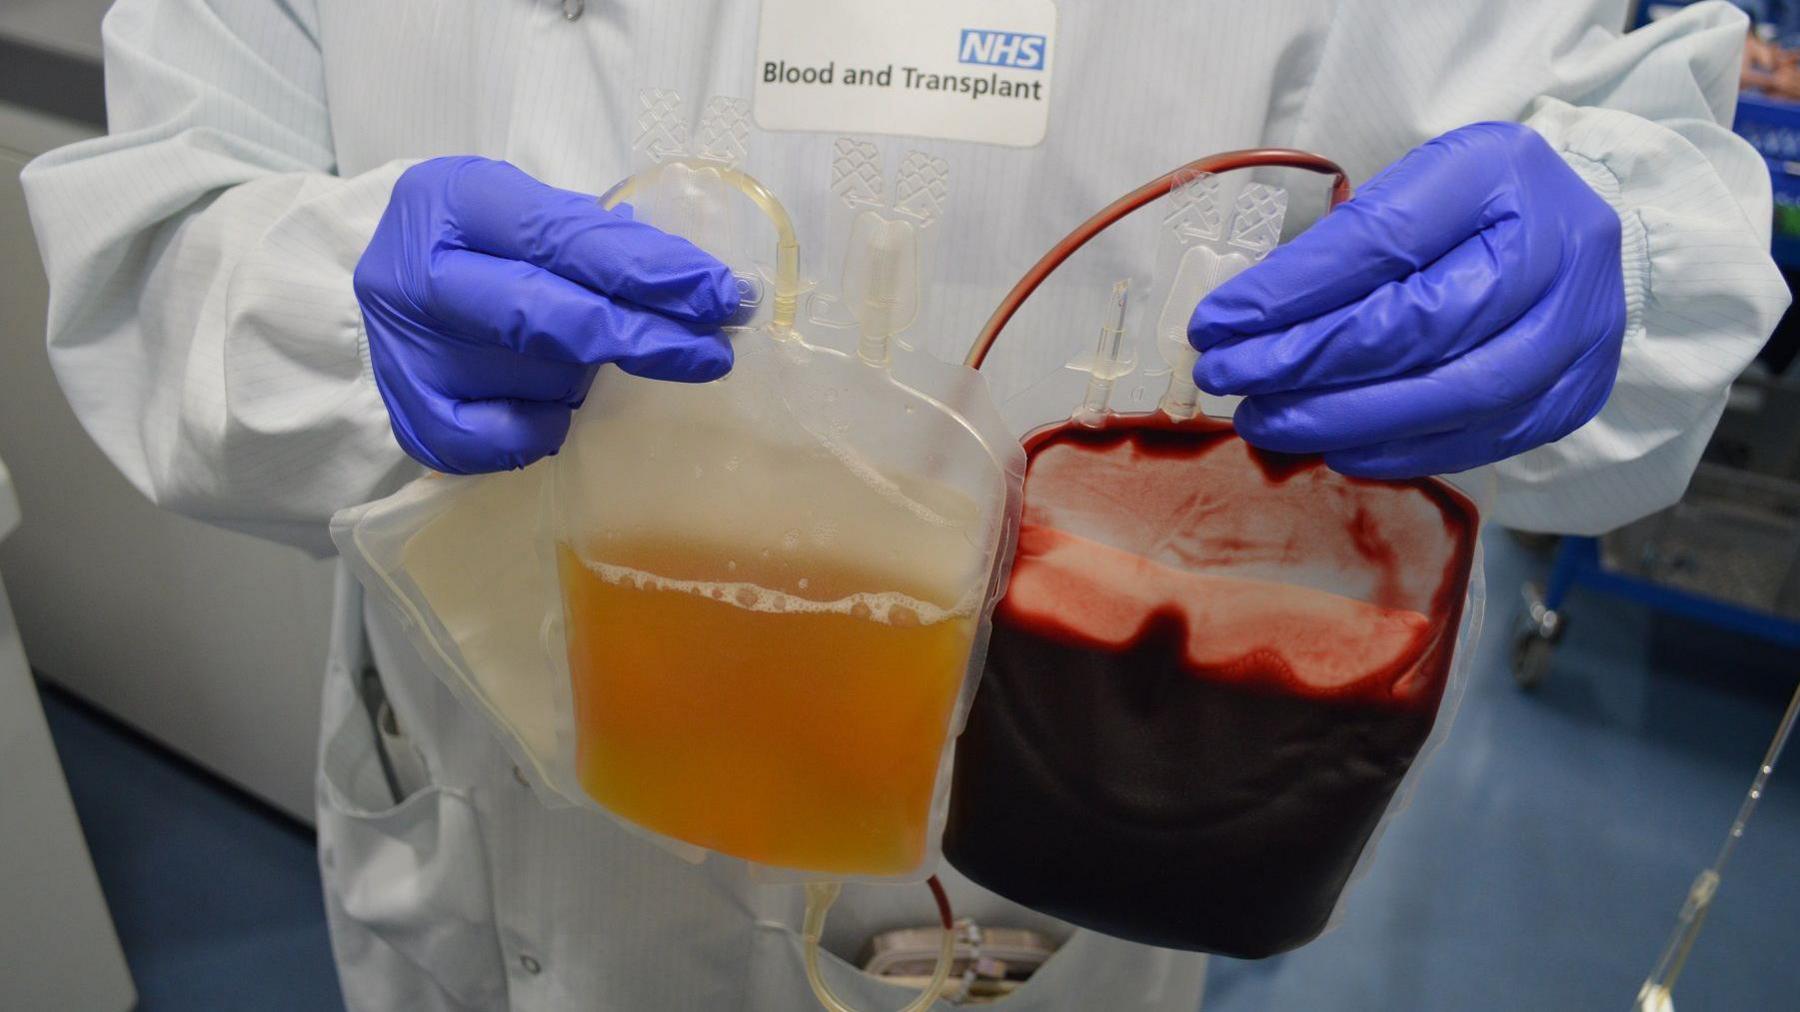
1001 49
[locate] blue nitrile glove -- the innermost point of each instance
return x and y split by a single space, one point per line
490 300
1466 306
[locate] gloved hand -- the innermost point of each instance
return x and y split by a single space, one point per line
1466 306
491 299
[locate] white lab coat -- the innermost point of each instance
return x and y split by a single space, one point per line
203 325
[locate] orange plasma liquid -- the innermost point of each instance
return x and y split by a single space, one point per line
799 727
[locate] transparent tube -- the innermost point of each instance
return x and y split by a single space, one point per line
1182 400
1656 994
1109 215
787 245
819 898
1109 359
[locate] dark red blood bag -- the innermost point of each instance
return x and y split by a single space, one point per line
1211 670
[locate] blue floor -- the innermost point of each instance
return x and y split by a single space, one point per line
1553 836
216 899
1540 866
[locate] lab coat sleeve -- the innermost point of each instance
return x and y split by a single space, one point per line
1647 125
202 321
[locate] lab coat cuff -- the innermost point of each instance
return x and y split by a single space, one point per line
366 370
1634 238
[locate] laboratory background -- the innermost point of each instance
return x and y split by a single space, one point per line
1599 820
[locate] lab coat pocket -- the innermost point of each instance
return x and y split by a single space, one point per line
1089 971
406 884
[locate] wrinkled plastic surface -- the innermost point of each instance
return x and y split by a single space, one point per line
743 616
795 522
1209 676
773 588
1214 668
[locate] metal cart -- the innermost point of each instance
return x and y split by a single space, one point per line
1727 554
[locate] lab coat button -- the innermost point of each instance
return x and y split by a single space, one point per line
519 775
531 965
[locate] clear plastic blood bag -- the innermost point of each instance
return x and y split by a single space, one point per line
1213 667
1207 678
743 617
773 584
767 666
797 759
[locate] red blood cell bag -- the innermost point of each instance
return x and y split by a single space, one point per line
1213 667
1209 674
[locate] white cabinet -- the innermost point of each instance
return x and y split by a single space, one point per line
66 26
57 945
209 641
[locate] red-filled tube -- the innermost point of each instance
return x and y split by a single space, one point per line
1250 158
943 902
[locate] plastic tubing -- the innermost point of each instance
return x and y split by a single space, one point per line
787 245
1249 158
819 898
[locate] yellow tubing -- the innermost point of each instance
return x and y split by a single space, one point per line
787 245
819 898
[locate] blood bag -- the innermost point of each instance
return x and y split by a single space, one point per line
743 616
1213 667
